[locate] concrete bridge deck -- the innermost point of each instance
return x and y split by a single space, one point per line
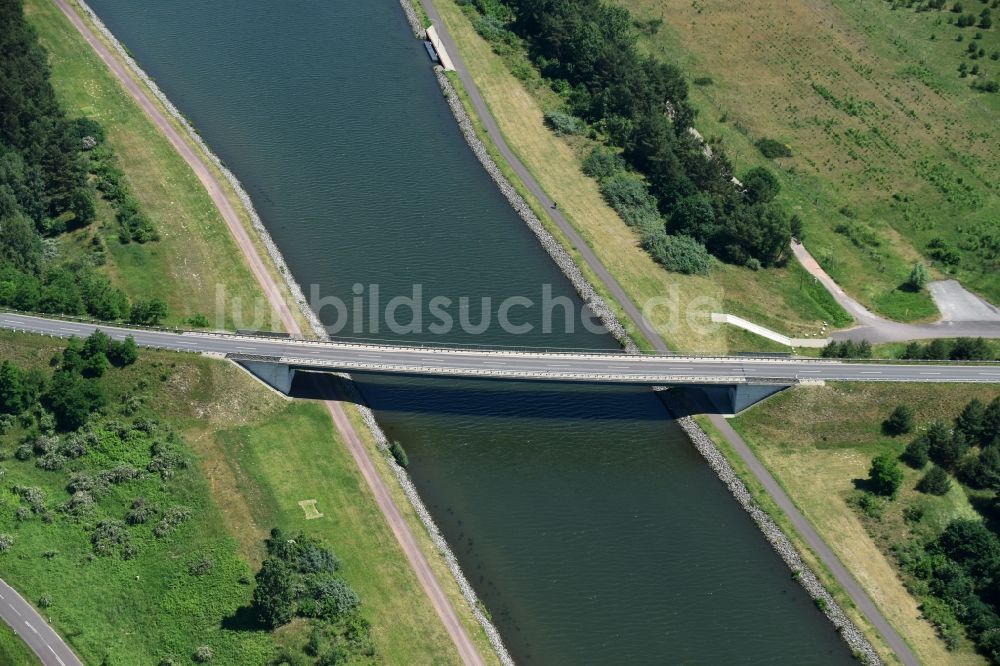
516 364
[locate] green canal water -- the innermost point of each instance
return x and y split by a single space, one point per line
588 524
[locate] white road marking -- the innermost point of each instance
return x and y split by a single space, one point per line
31 627
493 363
810 372
14 609
992 374
61 662
872 373
930 373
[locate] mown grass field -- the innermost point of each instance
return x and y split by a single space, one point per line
196 251
818 440
775 298
890 147
255 455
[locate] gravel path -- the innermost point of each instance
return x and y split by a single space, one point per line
144 96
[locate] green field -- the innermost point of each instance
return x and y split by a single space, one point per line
891 148
196 251
818 440
254 456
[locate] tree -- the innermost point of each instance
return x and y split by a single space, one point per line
934 482
918 277
72 399
900 422
972 422
885 475
984 469
991 419
944 448
13 393
760 185
123 353
693 216
274 596
916 455
148 313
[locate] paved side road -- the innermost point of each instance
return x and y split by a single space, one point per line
34 629
960 308
840 573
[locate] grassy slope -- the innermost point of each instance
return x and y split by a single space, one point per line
817 440
775 298
196 252
14 651
259 455
920 131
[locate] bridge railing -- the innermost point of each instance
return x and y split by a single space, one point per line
500 350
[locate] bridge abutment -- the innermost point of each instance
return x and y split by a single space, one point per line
278 376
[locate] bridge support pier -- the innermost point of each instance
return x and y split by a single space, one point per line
732 399
278 376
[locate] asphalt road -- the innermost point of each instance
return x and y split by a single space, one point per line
34 629
572 366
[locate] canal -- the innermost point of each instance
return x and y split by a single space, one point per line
588 524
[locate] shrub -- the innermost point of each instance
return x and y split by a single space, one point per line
6 543
934 482
563 123
885 475
111 536
900 422
681 254
397 451
772 149
173 518
628 195
142 511
602 163
918 277
203 654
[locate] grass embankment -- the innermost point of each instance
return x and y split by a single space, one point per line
196 252
14 651
257 456
818 440
775 298
890 147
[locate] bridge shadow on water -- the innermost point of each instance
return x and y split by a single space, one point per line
505 398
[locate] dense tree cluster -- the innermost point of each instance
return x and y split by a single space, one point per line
958 571
298 578
847 349
587 49
941 349
45 188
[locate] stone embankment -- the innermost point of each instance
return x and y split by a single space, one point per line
265 238
317 327
780 542
855 640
